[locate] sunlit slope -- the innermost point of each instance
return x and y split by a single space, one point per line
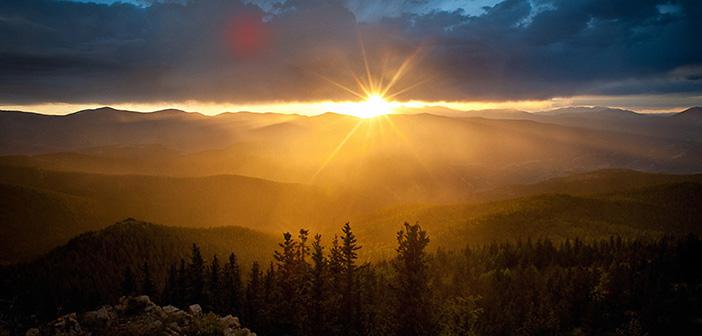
97 260
596 182
198 201
652 211
398 159
41 208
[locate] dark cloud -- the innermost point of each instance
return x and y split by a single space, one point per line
221 50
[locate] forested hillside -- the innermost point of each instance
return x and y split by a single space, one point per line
645 212
611 286
89 269
42 209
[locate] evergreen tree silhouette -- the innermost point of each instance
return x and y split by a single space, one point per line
318 314
231 286
414 312
196 274
253 306
214 297
287 300
350 305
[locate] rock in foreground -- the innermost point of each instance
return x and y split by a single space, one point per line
135 316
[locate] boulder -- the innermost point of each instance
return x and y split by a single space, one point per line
229 322
139 316
138 304
33 332
195 309
99 318
66 325
170 309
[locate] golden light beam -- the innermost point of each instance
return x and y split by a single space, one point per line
405 141
347 89
365 62
400 71
336 150
359 82
399 92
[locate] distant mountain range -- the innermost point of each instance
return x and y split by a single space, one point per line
685 125
472 173
33 133
400 158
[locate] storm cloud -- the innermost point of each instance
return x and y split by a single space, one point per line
248 51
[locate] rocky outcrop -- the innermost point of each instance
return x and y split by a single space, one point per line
134 316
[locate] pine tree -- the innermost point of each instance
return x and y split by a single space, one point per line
254 298
231 286
196 272
319 290
213 286
413 310
128 282
271 299
147 282
288 299
350 305
287 256
302 249
333 303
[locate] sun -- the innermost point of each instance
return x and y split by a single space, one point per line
376 91
374 105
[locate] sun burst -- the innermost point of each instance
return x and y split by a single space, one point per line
375 91
374 105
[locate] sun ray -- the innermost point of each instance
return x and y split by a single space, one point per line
336 150
405 141
411 87
369 76
400 71
347 89
361 85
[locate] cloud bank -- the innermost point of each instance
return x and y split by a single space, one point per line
232 51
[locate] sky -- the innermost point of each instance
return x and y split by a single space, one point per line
309 56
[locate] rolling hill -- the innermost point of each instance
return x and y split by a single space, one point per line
659 209
42 209
96 261
399 159
34 220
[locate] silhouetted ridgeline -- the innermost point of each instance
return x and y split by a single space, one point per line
314 287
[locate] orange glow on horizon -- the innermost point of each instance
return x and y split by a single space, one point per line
307 108
311 108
